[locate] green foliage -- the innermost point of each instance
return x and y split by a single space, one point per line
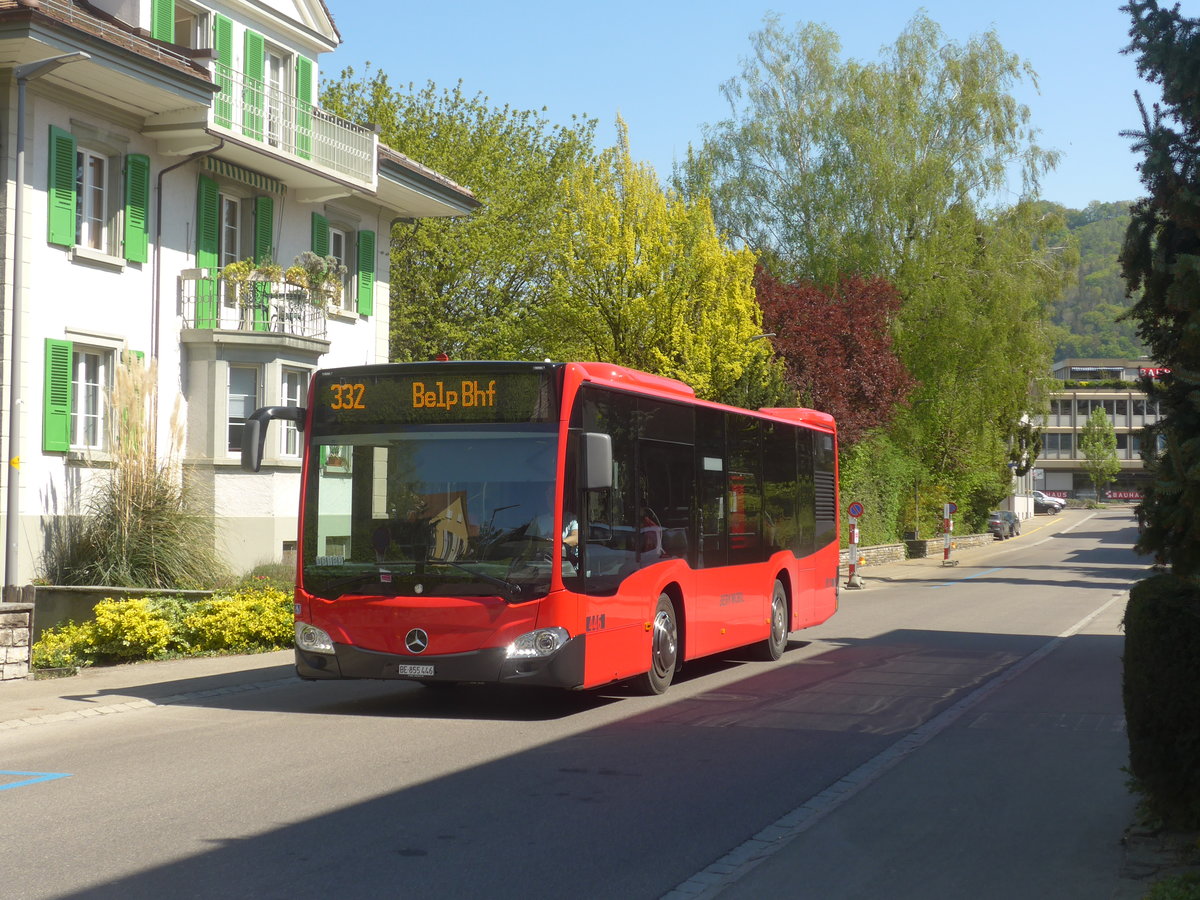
1098 443
896 169
641 278
1162 696
465 286
1090 319
250 619
1161 258
253 619
1176 887
877 473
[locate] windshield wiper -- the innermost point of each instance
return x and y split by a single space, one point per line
514 590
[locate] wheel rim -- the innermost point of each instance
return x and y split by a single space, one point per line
666 647
778 619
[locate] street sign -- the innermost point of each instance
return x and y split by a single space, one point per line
855 509
952 508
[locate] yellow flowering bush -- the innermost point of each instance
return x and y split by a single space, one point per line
250 619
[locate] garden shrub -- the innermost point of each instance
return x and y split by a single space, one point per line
245 620
129 629
250 619
1162 696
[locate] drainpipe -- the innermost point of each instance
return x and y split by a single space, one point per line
156 273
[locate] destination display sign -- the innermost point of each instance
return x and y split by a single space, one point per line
353 399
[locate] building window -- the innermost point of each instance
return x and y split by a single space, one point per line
243 400
92 192
191 27
279 96
292 394
340 249
89 385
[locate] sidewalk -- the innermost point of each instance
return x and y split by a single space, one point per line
106 690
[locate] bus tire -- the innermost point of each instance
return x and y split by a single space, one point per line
664 649
773 647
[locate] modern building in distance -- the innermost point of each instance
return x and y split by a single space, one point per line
1088 384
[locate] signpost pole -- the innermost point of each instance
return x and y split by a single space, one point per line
854 510
947 530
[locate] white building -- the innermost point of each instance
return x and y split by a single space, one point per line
188 138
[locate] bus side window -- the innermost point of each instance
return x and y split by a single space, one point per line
710 483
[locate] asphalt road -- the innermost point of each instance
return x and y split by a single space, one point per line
950 732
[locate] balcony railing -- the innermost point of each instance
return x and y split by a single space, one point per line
209 303
256 110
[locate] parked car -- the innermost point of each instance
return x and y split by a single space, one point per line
1004 524
1047 504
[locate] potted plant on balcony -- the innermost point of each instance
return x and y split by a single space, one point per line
242 279
321 276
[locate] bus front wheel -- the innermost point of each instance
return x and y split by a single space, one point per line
773 646
664 649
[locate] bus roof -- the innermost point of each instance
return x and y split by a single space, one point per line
661 386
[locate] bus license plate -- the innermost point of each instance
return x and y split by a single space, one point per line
415 671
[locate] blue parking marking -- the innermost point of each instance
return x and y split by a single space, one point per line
969 577
30 778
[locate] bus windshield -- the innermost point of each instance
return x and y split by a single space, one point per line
432 510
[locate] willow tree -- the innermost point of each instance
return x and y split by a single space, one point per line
465 286
641 278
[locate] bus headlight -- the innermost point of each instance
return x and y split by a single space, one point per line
543 642
312 639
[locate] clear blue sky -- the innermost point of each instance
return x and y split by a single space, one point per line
660 63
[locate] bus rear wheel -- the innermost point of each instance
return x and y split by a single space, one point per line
664 649
776 643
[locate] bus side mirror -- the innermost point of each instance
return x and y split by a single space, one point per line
254 432
598 449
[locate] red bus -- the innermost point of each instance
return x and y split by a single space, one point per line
566 524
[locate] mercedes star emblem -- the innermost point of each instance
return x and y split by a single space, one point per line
416 640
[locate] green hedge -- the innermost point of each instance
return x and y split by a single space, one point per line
1162 696
246 620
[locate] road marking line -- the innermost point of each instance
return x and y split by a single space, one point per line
738 862
37 778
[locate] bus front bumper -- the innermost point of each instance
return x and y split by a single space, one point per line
563 669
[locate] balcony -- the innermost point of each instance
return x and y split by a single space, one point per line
209 303
265 129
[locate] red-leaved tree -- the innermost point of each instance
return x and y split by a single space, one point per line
837 348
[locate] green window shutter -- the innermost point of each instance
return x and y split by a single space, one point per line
264 224
264 221
207 226
162 20
320 235
254 88
137 208
56 413
223 46
61 187
304 93
366 273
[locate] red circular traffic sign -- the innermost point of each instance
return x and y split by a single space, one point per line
855 509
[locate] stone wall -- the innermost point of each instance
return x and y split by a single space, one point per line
16 625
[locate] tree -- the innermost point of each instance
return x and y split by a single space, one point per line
641 278
829 167
1098 443
895 169
466 286
1161 259
836 348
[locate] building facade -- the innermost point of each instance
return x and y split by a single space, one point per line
166 140
1089 384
